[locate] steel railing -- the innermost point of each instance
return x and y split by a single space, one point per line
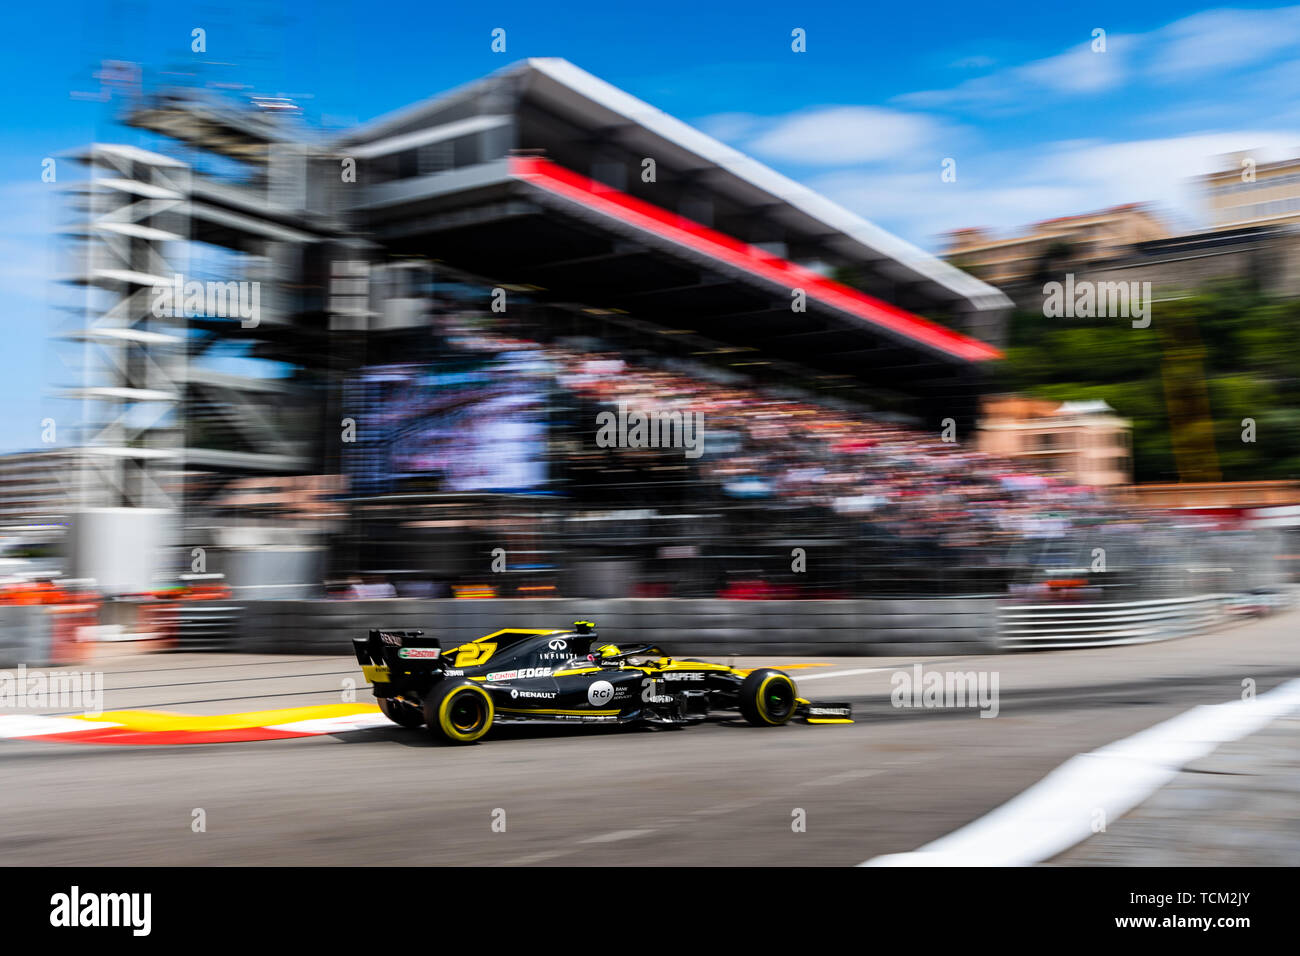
1028 626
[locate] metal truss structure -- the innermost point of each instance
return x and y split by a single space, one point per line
130 237
159 394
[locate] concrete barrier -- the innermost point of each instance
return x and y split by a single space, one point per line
705 626
25 636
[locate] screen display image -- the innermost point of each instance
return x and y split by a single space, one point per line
457 426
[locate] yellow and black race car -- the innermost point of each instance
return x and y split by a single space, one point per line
566 676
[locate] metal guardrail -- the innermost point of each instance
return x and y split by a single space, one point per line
1030 626
206 626
708 626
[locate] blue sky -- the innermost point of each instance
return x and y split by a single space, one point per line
1038 123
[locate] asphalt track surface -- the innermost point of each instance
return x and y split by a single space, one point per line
720 793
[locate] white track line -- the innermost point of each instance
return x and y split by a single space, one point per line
615 835
1058 811
39 725
822 675
334 725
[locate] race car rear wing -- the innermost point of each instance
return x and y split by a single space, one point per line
399 650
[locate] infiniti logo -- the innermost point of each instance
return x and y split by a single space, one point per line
557 644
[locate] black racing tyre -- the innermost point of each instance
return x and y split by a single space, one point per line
400 712
459 713
767 698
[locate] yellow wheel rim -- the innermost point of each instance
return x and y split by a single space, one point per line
462 726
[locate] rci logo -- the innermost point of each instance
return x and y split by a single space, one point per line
601 692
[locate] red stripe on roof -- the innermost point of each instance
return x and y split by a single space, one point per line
553 178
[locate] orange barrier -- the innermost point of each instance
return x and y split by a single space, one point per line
66 621
473 592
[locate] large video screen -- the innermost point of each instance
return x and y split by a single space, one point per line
473 423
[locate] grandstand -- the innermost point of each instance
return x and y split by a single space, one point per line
497 265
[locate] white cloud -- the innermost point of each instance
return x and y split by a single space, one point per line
1196 47
1019 182
842 135
729 127
1220 40
1005 192
921 207
1163 170
1078 70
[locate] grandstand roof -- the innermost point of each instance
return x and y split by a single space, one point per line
589 195
597 106
522 177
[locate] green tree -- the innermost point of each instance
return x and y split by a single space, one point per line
1210 359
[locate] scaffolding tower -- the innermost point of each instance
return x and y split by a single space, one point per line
229 206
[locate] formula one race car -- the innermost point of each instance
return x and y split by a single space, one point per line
565 676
